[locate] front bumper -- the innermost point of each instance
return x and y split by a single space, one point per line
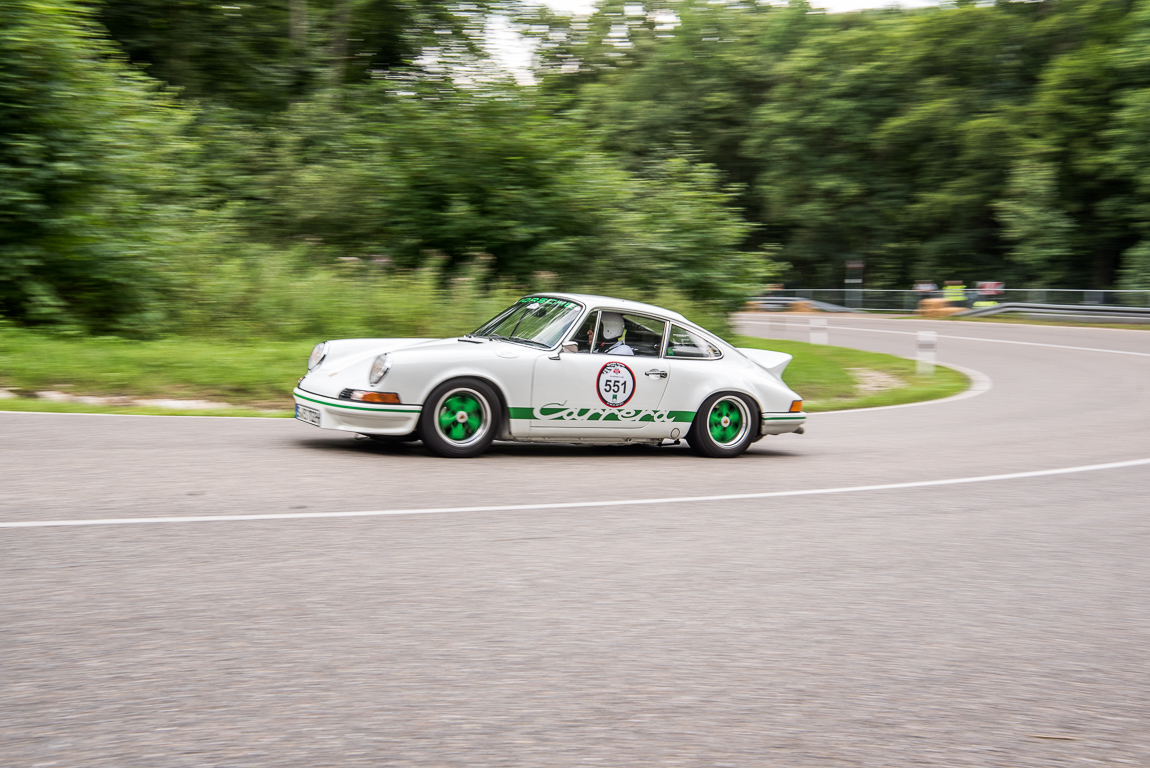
782 423
364 418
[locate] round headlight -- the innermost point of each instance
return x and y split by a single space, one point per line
318 353
379 369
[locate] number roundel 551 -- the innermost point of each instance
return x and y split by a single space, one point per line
616 384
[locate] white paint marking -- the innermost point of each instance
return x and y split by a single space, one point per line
581 504
863 317
980 383
979 338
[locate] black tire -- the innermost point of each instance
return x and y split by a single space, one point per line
460 418
725 425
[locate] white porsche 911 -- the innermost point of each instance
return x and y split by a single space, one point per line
554 367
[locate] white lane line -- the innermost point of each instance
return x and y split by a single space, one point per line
951 323
581 504
972 338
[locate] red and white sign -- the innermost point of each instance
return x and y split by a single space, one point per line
990 289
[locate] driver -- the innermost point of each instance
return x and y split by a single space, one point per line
610 333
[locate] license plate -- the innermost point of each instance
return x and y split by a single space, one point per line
310 415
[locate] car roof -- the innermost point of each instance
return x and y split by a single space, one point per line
608 302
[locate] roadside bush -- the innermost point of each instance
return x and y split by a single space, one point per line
87 176
288 297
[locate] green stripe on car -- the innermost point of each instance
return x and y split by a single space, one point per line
331 404
563 413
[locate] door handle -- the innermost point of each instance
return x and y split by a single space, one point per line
656 372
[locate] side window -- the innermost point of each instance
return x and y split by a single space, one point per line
689 345
582 336
644 335
625 334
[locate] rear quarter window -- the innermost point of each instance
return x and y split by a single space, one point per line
689 345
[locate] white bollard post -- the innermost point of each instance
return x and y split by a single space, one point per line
926 352
818 330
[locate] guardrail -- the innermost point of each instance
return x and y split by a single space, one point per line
777 303
891 300
1096 312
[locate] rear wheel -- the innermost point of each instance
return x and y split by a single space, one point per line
724 426
460 419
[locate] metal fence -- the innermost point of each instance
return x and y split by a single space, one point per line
874 300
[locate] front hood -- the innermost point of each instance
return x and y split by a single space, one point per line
344 353
348 360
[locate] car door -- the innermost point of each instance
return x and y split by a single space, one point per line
597 392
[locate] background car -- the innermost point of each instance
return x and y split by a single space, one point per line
554 367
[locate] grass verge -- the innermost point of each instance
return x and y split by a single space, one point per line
822 375
258 376
45 406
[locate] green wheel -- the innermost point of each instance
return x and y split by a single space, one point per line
725 425
460 419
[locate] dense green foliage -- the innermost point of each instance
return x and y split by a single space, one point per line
261 56
474 173
966 142
293 167
89 152
126 210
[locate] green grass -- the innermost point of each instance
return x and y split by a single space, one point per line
819 373
45 406
259 375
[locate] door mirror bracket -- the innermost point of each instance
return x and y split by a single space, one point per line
569 346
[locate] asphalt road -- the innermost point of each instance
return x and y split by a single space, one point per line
1000 622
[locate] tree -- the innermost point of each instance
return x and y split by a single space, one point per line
1040 233
85 165
258 57
455 175
884 135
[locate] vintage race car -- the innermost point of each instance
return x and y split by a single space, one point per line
554 367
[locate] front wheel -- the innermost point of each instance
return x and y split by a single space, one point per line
725 426
460 419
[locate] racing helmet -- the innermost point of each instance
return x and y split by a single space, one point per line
610 325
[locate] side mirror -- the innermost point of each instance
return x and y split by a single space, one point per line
570 346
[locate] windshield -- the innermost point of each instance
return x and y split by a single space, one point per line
536 320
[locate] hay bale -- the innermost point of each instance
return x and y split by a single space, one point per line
937 308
